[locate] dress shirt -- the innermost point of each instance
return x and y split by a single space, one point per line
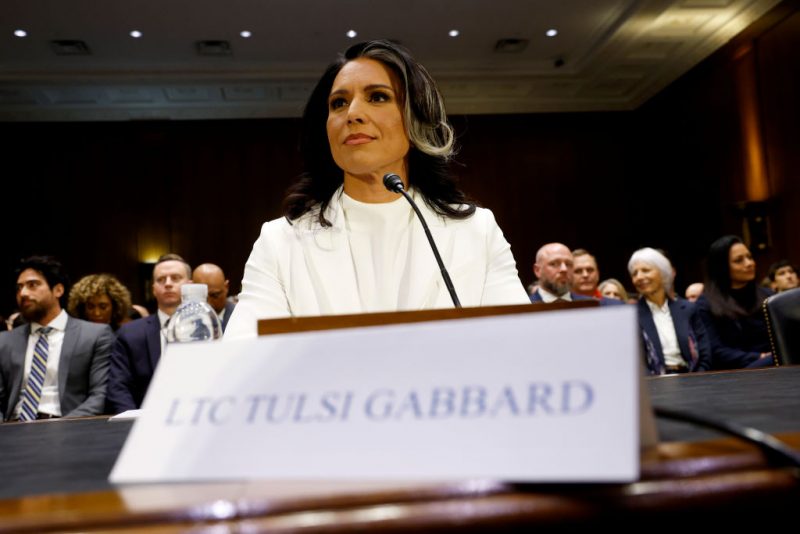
50 402
666 334
548 297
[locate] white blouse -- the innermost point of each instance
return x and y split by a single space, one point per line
379 236
373 257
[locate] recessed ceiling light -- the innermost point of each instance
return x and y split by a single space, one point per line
136 34
552 32
351 33
20 33
453 33
246 34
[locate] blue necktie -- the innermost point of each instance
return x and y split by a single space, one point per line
33 390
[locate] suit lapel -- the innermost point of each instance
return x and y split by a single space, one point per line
329 262
649 326
19 346
71 335
681 322
153 337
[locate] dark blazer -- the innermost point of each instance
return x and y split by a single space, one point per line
692 337
536 297
133 360
229 306
736 343
82 368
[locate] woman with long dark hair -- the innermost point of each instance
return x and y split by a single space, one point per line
346 244
730 307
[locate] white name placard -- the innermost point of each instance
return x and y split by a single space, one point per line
528 397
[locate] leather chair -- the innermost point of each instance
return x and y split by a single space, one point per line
782 312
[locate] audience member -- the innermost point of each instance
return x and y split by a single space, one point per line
783 276
100 298
730 307
139 343
694 291
14 320
674 338
212 276
138 311
553 268
612 288
57 365
586 275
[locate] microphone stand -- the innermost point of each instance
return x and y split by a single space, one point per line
394 183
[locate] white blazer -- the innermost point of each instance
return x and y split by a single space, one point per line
304 269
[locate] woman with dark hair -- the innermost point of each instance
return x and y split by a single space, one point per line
675 340
730 307
346 244
100 298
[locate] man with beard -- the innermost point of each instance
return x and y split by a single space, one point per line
139 343
554 269
56 365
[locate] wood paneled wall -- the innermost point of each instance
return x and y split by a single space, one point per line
105 197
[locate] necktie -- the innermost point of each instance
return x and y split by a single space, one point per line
33 390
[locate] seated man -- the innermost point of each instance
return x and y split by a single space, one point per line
56 365
212 276
139 343
554 269
782 276
586 275
693 291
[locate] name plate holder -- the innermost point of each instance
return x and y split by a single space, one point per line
502 393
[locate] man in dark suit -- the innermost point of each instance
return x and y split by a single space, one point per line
56 365
585 275
554 270
212 276
139 343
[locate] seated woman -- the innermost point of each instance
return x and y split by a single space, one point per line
730 307
346 244
613 289
100 298
674 338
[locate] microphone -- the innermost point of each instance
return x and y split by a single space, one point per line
394 183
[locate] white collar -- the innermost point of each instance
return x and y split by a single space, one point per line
548 297
58 323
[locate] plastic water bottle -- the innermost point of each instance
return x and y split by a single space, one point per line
194 320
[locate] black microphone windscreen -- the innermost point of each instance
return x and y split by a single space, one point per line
392 182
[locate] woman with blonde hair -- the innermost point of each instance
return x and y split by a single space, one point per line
613 289
100 298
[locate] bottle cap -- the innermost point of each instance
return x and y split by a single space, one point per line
194 292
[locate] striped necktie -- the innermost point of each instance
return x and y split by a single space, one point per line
33 390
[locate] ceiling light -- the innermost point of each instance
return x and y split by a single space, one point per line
246 34
20 33
453 33
552 32
351 33
136 34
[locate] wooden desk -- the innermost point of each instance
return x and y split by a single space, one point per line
47 468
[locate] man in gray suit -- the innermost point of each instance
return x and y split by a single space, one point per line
56 365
